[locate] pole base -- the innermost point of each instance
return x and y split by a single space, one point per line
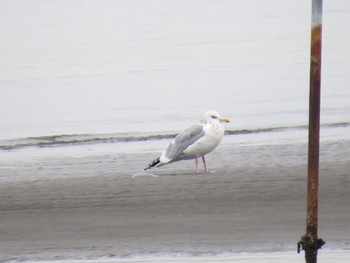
311 245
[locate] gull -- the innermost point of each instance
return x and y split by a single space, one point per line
194 142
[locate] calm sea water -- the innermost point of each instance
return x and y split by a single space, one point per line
91 71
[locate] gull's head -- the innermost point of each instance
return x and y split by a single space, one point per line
213 117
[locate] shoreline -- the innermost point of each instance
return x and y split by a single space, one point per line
286 257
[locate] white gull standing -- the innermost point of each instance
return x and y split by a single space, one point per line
194 142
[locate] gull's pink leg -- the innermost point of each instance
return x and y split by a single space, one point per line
197 170
205 166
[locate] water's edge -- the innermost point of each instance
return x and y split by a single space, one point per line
81 139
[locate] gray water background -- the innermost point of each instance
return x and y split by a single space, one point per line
86 70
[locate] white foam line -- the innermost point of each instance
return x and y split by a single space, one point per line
286 257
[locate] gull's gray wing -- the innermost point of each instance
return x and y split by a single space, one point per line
174 150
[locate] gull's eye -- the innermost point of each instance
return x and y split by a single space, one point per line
214 117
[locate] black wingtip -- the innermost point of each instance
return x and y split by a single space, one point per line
153 163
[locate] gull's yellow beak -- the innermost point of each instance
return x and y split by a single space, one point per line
222 119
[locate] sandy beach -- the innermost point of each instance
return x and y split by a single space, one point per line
71 208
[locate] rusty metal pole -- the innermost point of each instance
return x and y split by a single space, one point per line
310 241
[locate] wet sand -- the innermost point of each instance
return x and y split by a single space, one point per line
90 207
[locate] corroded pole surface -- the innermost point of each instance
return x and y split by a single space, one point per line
314 132
310 241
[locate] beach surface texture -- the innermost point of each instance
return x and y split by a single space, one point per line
93 207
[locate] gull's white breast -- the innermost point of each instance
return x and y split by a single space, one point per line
211 139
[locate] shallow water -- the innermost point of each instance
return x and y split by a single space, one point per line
155 66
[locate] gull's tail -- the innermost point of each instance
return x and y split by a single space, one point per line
153 164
